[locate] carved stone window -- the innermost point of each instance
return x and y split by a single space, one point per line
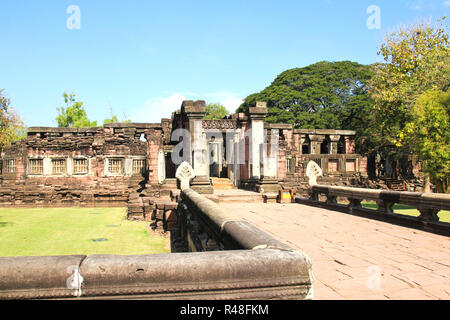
59 166
306 149
36 166
318 161
10 166
80 166
333 165
115 166
350 165
325 147
138 166
341 146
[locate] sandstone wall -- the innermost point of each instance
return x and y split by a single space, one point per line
99 185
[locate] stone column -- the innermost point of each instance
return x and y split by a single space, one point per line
349 145
154 145
268 182
195 112
257 115
236 161
334 140
316 141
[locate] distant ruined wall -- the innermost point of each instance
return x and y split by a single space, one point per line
121 163
332 150
70 166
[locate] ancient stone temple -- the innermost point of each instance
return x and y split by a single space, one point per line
110 165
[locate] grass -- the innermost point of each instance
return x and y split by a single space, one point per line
69 231
408 210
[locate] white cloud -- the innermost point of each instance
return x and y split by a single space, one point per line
229 100
417 5
232 104
446 3
153 110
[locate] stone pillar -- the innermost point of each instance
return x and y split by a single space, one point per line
268 182
316 141
269 155
154 145
232 145
257 115
334 140
349 145
236 161
198 155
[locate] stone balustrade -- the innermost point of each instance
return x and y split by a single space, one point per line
246 264
428 204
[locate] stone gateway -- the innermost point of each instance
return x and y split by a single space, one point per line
124 162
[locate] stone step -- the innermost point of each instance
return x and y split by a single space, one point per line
223 187
222 184
215 179
257 198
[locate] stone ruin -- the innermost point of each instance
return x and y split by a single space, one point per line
132 164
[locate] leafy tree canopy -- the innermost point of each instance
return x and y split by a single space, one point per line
417 59
73 114
325 95
114 119
410 90
215 111
11 126
428 134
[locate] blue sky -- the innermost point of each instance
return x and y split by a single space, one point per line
142 58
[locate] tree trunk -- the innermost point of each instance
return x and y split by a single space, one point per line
427 185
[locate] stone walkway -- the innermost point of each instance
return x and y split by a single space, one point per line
357 258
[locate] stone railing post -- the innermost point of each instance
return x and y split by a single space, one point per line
331 199
428 214
354 203
386 206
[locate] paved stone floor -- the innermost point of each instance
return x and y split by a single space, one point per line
357 258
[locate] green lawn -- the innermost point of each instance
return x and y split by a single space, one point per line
408 210
67 231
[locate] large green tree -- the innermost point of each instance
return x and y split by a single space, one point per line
417 59
11 126
428 135
215 111
408 90
73 114
325 95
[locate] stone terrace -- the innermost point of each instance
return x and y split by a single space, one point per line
348 251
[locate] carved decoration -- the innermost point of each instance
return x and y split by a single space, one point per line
313 171
223 124
185 173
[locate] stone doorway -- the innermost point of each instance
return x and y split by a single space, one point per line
218 168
